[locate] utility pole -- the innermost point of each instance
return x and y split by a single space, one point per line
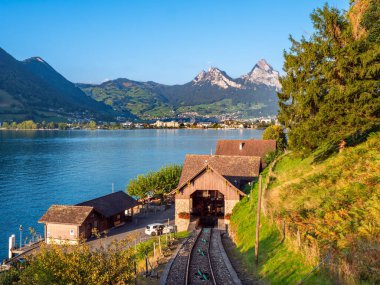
159 244
258 222
20 229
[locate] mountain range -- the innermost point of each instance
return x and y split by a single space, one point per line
32 89
210 93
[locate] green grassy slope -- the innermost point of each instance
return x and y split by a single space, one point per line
333 205
128 98
224 106
279 262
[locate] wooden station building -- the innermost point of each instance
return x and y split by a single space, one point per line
210 186
67 223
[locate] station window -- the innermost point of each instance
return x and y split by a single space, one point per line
71 232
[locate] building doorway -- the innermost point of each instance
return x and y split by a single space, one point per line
207 205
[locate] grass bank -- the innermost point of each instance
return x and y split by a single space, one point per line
332 207
279 261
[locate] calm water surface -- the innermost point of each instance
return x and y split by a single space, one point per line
40 168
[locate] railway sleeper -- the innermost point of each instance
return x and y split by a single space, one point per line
202 275
201 252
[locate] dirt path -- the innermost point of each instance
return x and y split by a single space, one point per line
245 274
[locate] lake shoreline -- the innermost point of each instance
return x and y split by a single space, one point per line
133 129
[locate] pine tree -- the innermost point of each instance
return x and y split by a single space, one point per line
331 87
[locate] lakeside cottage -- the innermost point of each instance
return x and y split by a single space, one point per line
67 223
210 186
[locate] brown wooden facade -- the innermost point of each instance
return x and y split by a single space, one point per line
207 184
208 179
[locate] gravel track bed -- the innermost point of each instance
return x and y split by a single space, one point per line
199 262
221 273
177 272
240 267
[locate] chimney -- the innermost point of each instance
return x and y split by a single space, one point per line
241 145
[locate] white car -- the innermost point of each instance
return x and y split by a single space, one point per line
168 229
154 229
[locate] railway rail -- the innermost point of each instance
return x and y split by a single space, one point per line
177 267
199 268
201 260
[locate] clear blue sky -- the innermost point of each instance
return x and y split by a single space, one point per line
164 41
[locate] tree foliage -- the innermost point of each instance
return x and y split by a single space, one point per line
275 132
64 264
24 125
91 125
332 82
27 125
156 183
370 21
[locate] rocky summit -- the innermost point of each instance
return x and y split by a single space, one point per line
262 73
215 76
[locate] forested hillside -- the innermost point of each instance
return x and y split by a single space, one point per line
32 89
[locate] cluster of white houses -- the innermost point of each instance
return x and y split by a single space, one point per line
211 185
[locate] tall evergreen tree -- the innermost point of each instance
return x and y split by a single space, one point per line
332 82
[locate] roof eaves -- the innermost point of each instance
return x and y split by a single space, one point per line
207 166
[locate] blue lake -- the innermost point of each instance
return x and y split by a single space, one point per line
41 168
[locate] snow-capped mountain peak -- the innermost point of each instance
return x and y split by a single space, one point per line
215 76
262 73
35 58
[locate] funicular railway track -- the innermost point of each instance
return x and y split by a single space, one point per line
199 268
200 261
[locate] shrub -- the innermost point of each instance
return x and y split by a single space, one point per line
64 264
157 183
275 132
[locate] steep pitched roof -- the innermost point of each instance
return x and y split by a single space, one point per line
227 166
250 147
199 173
111 204
64 214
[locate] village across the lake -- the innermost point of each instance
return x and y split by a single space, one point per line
254 123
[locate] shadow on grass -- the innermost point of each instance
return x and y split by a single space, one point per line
278 263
